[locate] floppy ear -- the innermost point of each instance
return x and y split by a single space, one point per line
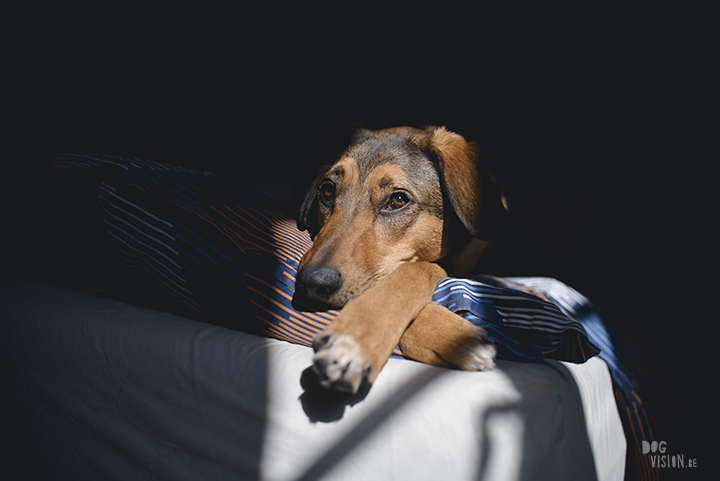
474 197
308 216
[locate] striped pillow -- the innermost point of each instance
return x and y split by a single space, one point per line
217 248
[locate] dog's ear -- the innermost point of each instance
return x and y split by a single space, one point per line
308 216
473 195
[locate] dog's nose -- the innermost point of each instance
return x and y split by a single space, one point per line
318 283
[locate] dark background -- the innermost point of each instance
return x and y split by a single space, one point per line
587 127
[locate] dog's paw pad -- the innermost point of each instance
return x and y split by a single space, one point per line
340 362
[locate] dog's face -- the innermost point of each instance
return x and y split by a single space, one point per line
383 203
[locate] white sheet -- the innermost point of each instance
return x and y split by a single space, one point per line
521 421
115 391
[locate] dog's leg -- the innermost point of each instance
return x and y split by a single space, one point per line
355 346
442 338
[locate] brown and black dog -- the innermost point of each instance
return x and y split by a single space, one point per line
399 210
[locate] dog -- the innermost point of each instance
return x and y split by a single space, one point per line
401 209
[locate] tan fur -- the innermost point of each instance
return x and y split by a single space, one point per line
441 338
386 310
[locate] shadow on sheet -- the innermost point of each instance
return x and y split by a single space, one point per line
109 390
498 457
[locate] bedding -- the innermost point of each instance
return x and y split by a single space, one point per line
225 252
110 390
158 392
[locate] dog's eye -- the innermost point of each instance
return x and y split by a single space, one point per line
327 192
397 201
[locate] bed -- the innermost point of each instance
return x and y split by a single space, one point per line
110 390
213 382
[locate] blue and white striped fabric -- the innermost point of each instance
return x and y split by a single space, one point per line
526 324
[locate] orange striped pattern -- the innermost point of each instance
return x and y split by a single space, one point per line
269 233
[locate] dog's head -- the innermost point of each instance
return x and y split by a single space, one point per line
394 196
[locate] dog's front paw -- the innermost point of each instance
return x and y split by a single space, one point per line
476 352
340 362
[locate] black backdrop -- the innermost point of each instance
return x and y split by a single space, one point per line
585 134
580 146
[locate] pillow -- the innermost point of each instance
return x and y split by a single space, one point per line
223 252
216 249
